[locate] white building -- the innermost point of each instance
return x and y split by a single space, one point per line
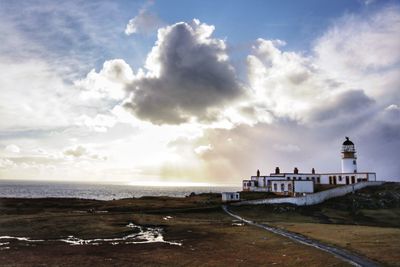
230 196
302 183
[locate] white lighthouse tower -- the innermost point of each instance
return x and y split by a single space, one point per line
349 159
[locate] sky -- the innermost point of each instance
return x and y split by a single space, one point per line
201 92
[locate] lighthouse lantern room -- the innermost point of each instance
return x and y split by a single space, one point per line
349 159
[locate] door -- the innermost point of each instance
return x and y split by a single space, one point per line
353 179
347 180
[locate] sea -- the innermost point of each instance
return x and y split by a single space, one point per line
37 189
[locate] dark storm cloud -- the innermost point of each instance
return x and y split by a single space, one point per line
194 76
350 106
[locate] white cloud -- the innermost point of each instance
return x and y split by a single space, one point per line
352 71
13 149
108 83
6 163
145 22
99 123
34 97
363 51
203 149
286 83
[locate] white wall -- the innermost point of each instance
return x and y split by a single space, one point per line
371 177
312 199
278 186
303 186
348 165
230 196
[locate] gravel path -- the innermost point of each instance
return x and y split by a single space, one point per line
343 254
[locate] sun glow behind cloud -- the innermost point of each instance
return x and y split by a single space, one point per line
188 115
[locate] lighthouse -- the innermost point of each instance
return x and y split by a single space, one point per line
349 159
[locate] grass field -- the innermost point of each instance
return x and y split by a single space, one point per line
367 222
378 243
209 237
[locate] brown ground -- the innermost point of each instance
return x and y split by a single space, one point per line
367 222
379 243
208 236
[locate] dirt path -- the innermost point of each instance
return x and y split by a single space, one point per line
343 254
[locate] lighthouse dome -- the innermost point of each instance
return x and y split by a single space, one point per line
348 142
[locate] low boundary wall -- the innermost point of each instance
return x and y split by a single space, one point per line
312 199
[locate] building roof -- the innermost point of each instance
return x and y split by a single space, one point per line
348 142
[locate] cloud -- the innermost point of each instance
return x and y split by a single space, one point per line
286 148
366 43
99 123
348 108
186 114
109 82
286 83
71 35
203 149
13 149
34 97
76 152
82 153
6 163
188 77
145 22
362 50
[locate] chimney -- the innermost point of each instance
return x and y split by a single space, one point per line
296 171
313 171
258 173
277 171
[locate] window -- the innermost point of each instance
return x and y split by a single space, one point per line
340 178
282 187
275 187
308 178
354 162
288 178
318 180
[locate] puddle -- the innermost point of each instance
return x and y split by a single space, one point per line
237 223
141 235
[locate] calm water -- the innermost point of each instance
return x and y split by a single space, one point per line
28 189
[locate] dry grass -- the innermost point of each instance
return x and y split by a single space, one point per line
377 243
207 234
